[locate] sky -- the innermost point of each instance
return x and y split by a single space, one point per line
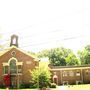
44 24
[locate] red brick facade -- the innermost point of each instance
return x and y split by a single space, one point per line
23 61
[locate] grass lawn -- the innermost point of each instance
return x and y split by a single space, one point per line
74 87
69 87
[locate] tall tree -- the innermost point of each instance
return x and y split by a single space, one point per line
84 55
72 60
56 57
62 57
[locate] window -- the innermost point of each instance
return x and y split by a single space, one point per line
87 72
19 69
13 68
65 73
78 73
71 73
5 69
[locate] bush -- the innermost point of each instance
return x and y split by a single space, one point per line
65 82
33 84
25 85
52 85
2 86
78 82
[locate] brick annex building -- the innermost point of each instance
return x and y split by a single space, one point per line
15 64
70 74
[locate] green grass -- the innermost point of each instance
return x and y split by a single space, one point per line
74 87
69 87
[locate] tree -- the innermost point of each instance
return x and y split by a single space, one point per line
56 57
62 57
43 53
1 47
72 60
41 76
84 55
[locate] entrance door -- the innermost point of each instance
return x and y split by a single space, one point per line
13 81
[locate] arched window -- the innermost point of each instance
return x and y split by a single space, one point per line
13 68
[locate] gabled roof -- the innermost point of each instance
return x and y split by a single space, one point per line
14 47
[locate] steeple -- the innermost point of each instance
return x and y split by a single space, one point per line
14 40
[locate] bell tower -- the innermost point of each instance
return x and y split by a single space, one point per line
14 40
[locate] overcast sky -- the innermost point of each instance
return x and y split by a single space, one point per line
42 24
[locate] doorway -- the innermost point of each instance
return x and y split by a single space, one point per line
13 81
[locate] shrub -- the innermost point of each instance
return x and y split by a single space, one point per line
78 82
52 85
2 86
33 84
25 85
65 82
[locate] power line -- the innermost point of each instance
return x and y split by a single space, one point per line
47 42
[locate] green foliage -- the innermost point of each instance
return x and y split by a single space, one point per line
52 85
62 57
25 85
2 86
56 57
72 60
33 84
41 76
43 53
84 55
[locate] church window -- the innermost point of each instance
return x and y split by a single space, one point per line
5 69
13 68
19 68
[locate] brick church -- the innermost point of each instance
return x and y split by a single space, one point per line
15 65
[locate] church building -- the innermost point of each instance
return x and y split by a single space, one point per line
15 65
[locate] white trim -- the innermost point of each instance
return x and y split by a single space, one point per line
8 64
19 63
5 64
12 59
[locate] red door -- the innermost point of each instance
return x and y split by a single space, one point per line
7 80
